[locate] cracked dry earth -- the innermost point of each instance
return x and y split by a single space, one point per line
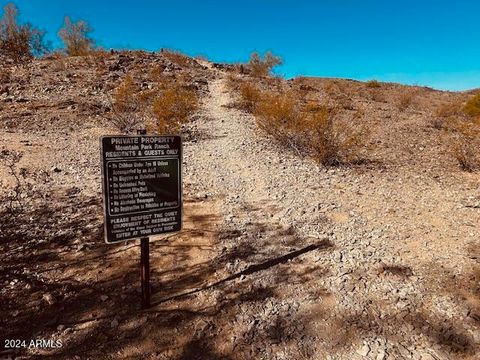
279 259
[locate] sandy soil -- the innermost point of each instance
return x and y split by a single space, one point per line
280 258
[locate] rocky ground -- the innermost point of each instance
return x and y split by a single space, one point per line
280 258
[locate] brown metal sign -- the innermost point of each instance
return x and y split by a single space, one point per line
142 186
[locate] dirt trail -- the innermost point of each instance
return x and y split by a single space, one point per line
279 258
365 248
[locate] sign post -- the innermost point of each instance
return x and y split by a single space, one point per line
145 269
142 192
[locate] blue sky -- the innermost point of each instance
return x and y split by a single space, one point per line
425 42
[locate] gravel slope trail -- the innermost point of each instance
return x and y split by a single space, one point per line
331 263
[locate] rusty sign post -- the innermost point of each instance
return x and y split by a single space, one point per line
142 192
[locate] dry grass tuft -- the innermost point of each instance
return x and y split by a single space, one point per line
445 114
177 58
405 100
463 127
373 84
250 95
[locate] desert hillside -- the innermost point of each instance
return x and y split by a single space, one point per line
370 251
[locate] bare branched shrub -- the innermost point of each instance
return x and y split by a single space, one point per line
173 107
19 42
75 37
263 67
13 199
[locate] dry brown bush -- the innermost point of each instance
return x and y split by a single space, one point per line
446 114
173 107
405 99
157 73
472 107
309 128
250 96
129 111
333 141
463 133
263 67
465 143
19 42
75 37
373 84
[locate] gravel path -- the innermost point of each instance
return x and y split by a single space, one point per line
345 263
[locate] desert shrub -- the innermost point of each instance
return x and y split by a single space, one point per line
275 110
19 42
128 111
465 143
446 114
309 128
405 100
75 37
250 95
472 107
463 133
125 94
13 199
333 140
173 107
373 84
263 67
